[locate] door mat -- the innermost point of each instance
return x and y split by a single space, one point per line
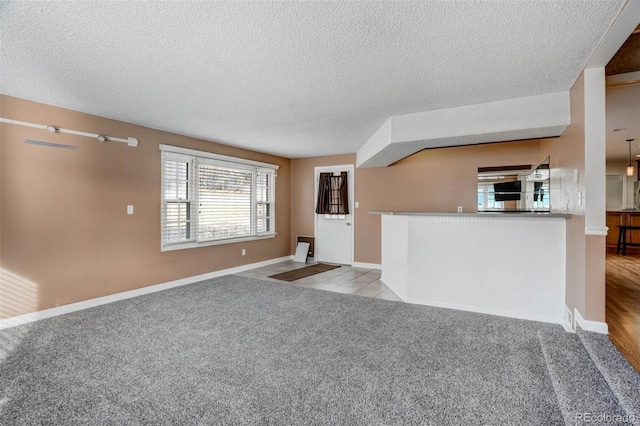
307 271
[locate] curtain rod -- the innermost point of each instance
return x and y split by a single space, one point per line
53 129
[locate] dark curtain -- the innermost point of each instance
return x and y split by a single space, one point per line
324 194
343 197
333 194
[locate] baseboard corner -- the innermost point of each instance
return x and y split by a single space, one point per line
588 325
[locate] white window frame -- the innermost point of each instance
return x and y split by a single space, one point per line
193 158
486 190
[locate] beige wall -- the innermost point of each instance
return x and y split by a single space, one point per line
620 167
437 180
65 236
64 232
567 154
595 300
302 185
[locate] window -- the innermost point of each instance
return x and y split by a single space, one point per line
213 199
333 200
486 197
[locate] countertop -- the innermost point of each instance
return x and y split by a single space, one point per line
540 215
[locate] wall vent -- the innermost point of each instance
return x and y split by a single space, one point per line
50 144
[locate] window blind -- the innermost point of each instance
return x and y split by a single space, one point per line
176 212
224 202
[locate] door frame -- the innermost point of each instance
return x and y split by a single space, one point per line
350 169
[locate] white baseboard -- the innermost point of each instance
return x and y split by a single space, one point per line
367 265
78 306
595 326
489 311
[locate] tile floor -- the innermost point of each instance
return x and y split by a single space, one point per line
345 279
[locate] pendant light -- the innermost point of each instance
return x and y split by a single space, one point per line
630 169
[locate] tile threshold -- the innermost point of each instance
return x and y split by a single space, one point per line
345 280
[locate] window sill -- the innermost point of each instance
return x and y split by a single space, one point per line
189 245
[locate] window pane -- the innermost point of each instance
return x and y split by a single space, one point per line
263 186
177 220
225 202
178 211
262 225
176 232
176 175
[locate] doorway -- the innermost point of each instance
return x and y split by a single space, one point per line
334 233
622 152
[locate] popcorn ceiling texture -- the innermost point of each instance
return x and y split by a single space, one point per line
295 79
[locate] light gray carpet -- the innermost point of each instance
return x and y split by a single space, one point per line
235 350
581 389
621 377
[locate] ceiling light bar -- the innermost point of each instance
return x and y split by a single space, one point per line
53 129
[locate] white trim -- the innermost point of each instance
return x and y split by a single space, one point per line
367 265
596 230
350 168
188 245
480 310
86 304
204 154
595 326
623 26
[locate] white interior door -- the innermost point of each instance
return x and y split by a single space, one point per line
334 233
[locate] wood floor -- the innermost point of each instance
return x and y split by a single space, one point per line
623 304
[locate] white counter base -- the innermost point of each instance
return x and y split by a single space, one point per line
502 265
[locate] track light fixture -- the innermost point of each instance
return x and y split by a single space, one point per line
53 129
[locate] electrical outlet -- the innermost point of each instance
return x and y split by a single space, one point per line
244 252
357 205
459 209
129 209
568 319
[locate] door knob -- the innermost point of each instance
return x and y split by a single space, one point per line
348 223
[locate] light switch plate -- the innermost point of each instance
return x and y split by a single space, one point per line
129 209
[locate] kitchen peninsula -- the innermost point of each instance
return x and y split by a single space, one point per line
508 264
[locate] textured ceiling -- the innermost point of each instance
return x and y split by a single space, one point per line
627 59
291 78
